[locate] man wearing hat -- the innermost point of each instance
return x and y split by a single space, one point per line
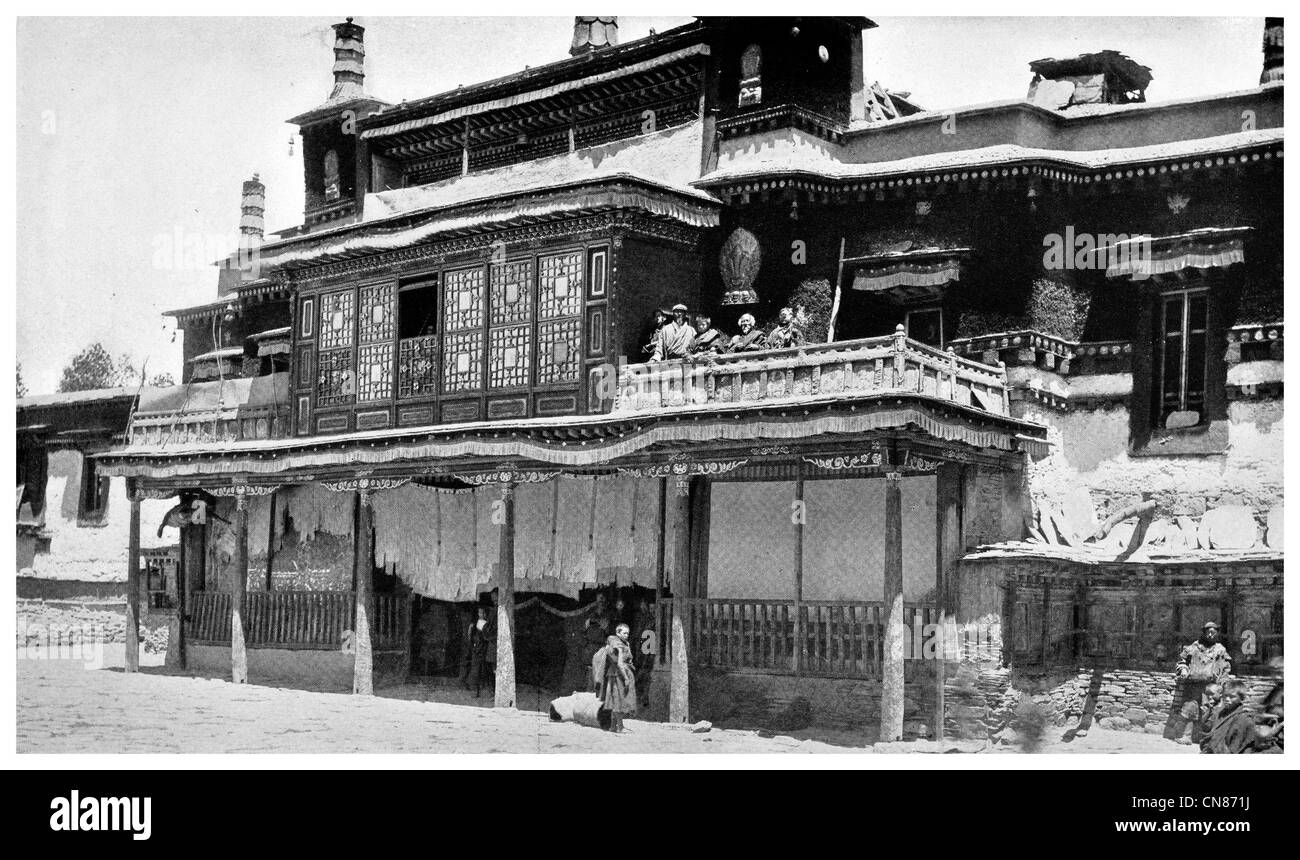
1201 664
674 339
750 338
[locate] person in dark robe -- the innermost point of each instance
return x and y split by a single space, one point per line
786 334
750 338
708 340
1230 728
482 651
598 624
618 678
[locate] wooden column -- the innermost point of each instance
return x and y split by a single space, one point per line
182 604
891 682
133 582
238 589
1046 640
505 678
679 696
947 532
270 545
363 570
800 626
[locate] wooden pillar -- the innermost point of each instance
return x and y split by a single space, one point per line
800 628
363 570
133 582
679 696
947 532
891 685
270 545
182 603
505 677
238 589
1046 639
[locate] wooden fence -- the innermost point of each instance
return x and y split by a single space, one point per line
817 638
313 620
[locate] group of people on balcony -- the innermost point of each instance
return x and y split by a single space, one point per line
675 337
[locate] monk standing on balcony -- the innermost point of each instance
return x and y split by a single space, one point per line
675 338
750 338
786 334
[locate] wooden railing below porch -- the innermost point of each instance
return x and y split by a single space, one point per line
314 620
839 639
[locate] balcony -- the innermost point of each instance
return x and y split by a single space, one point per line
892 364
219 410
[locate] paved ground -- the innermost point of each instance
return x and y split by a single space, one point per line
64 707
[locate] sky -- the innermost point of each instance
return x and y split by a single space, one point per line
134 134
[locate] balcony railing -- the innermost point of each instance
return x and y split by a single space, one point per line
879 365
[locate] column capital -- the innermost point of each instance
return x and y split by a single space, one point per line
365 497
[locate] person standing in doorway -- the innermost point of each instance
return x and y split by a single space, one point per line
481 642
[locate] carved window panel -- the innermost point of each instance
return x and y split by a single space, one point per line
307 323
597 272
462 361
304 367
559 286
377 315
417 370
304 415
463 300
375 372
559 345
596 330
336 319
508 357
335 381
512 293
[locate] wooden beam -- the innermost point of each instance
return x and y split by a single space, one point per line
238 588
363 569
133 582
505 673
891 685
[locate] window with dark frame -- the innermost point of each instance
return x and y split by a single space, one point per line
1180 367
92 501
926 325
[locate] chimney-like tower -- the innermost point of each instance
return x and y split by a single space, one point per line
593 32
349 61
252 208
1272 51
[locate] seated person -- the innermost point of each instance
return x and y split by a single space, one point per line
786 334
750 338
708 340
1230 728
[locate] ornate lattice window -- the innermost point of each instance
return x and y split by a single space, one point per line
462 361
335 383
336 311
463 301
511 292
376 321
375 372
559 286
508 357
418 367
558 351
